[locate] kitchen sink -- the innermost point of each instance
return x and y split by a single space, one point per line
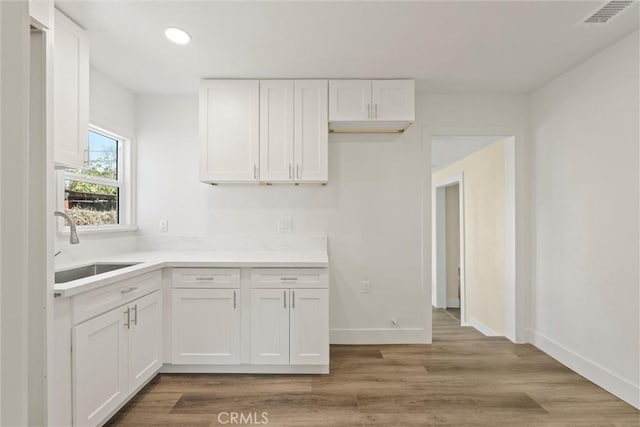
87 271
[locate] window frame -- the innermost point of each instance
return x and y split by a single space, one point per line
124 183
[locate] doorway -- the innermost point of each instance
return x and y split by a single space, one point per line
449 242
473 265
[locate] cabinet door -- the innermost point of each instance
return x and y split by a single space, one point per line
99 367
349 100
70 93
309 326
229 133
145 339
270 326
276 130
311 133
206 326
393 100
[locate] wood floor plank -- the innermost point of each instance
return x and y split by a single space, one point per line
462 379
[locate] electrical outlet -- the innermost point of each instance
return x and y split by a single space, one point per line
164 225
365 287
285 225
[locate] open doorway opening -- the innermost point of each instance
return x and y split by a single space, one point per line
473 223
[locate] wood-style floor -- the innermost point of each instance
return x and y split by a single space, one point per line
462 379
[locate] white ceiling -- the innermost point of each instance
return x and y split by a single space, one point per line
471 46
446 150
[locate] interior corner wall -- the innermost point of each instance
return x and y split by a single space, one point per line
585 127
484 228
112 107
378 195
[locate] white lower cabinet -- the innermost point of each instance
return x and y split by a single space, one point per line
206 326
145 338
309 327
112 355
290 326
270 326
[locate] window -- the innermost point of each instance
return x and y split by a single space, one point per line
98 196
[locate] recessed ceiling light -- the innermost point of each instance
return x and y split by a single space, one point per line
177 35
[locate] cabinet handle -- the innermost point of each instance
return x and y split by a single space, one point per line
234 300
284 294
368 111
290 171
86 157
128 290
208 278
128 322
255 172
135 319
375 110
293 299
288 279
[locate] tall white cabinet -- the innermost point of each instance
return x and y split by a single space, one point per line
271 131
70 93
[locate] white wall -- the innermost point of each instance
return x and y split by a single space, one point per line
112 107
14 225
371 211
375 210
586 297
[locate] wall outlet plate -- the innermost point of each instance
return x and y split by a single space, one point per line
285 225
365 288
164 225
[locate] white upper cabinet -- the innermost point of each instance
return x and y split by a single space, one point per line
311 133
229 131
393 100
361 106
276 130
270 131
71 93
349 100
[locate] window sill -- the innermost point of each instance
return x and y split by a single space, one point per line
101 230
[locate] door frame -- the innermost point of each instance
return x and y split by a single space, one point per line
440 246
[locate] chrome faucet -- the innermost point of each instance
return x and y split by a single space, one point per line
73 235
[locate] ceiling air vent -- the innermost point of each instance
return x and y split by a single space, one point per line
607 12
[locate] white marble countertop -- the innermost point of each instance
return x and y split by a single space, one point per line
155 260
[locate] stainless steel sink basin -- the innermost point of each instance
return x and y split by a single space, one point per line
87 271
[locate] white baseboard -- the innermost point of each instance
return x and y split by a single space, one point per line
600 375
244 369
484 329
453 303
379 336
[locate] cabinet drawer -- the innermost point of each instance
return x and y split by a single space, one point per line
101 300
199 278
289 278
